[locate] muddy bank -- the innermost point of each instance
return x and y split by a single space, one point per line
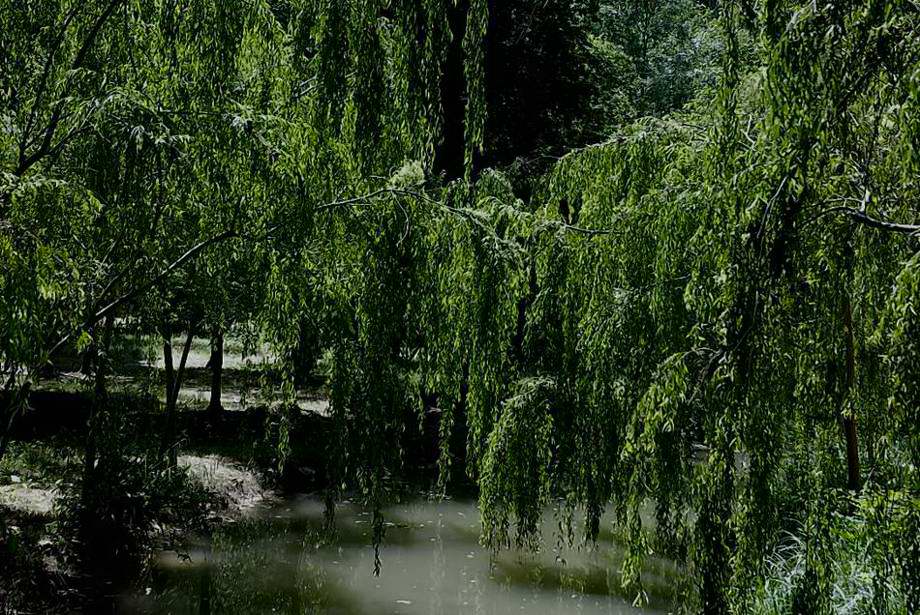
27 499
237 487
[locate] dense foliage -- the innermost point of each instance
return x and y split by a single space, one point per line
710 313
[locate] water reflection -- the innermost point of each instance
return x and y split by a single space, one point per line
432 564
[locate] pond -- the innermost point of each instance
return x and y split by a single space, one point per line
432 563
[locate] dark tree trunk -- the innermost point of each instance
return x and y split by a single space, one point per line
849 418
217 371
449 158
98 358
173 384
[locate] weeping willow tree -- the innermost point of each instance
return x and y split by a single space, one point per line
712 314
695 316
719 328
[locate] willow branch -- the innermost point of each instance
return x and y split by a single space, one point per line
857 215
589 232
189 254
26 162
176 264
43 83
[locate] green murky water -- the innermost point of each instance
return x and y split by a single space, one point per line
276 562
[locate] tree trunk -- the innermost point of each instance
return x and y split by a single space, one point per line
451 151
217 369
170 381
847 412
849 418
173 384
98 357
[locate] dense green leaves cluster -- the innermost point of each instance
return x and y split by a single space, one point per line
742 296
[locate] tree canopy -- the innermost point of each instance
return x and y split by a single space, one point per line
704 305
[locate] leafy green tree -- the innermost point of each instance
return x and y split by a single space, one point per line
60 216
673 46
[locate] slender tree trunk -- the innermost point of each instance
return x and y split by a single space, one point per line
217 369
173 384
170 382
98 357
847 414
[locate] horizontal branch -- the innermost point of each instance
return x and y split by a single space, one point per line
860 216
189 254
193 252
589 232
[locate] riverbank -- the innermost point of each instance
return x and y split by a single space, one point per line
229 464
235 489
45 568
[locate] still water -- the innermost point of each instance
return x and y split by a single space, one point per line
277 562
